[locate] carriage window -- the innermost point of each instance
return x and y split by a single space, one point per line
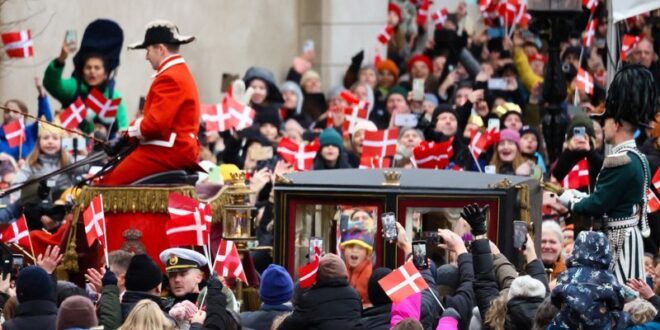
327 225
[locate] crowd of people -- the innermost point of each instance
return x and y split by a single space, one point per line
473 79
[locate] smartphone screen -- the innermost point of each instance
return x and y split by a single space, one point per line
314 242
71 39
579 131
418 90
419 254
343 223
308 46
389 226
519 234
498 84
493 124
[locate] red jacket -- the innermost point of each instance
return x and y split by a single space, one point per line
168 130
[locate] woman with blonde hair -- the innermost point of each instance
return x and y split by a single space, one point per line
147 315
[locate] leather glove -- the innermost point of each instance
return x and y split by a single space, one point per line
476 217
115 146
109 278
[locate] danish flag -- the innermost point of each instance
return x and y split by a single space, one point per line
242 116
628 45
216 119
423 13
189 221
349 97
375 162
480 142
488 11
301 156
653 203
227 261
18 44
439 18
354 114
585 82
433 155
307 273
578 177
656 179
486 5
104 108
590 4
508 11
14 133
385 36
94 221
403 282
72 116
588 38
17 233
380 143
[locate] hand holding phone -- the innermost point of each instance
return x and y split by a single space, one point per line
519 234
71 40
418 90
419 255
389 229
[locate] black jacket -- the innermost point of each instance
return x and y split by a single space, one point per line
376 318
430 310
263 318
463 298
569 158
485 283
331 305
37 314
521 312
131 298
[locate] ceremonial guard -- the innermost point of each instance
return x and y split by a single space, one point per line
167 133
619 198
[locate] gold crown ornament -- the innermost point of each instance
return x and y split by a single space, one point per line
392 178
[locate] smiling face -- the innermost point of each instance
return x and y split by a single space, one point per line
507 150
260 91
185 282
49 143
354 255
550 247
94 72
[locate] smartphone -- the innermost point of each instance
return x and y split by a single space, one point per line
308 46
419 254
71 144
418 90
519 234
494 124
490 169
406 120
227 80
389 226
314 242
497 84
579 131
17 260
494 33
343 223
71 39
141 103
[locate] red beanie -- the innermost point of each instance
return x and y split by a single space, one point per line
393 7
422 58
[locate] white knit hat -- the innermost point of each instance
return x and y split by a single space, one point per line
526 286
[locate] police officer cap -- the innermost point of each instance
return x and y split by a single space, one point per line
179 259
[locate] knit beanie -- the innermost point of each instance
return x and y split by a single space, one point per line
442 108
526 286
430 97
447 275
532 130
511 113
398 89
510 135
76 312
388 65
143 274
331 267
309 75
420 58
33 283
330 136
276 285
377 295
581 121
268 116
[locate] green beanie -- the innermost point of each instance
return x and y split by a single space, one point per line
330 136
581 121
398 89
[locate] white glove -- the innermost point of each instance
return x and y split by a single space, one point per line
239 92
570 197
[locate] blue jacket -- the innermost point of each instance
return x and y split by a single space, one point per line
31 133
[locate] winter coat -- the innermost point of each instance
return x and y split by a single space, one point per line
66 90
520 312
375 318
110 316
36 314
218 316
263 318
485 284
358 279
463 298
331 305
430 310
31 133
588 293
131 298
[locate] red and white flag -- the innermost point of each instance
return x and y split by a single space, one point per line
104 108
480 142
628 44
242 116
18 44
301 156
94 221
354 114
590 4
227 261
216 119
489 11
656 179
349 97
578 177
440 17
189 221
380 143
590 33
508 11
403 282
653 201
14 133
307 273
584 82
433 155
17 233
375 162
423 13
385 36
72 116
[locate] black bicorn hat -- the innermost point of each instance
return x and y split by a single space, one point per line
161 32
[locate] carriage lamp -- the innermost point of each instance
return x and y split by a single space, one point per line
237 211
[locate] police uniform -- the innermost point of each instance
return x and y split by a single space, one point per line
178 260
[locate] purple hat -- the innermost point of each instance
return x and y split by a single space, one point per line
359 237
510 135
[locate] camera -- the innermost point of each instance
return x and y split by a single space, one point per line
12 263
44 205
